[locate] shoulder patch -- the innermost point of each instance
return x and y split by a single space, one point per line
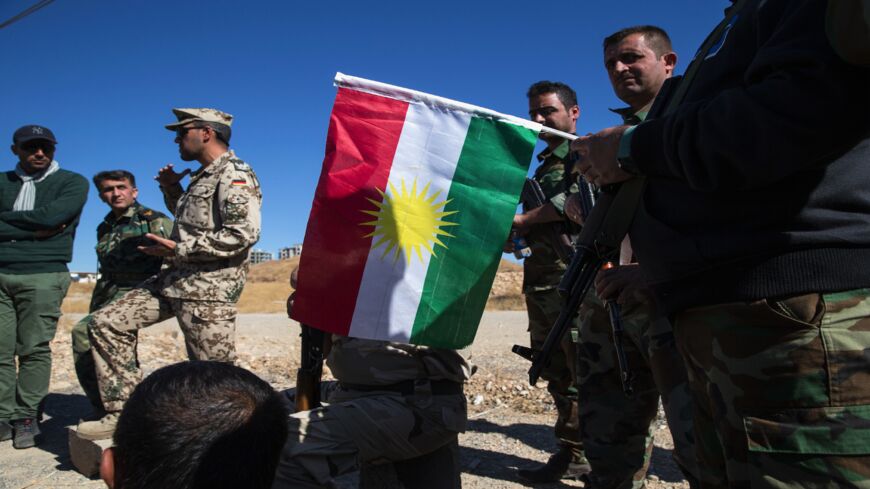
149 215
241 165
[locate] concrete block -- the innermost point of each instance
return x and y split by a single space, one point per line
86 454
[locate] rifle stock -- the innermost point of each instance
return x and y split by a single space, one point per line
310 368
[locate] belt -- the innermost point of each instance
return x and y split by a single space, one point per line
407 387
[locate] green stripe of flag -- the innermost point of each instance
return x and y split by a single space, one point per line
489 176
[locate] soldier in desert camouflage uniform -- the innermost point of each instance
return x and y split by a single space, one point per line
392 402
217 223
122 266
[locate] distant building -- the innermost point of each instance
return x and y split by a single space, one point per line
290 251
83 277
260 256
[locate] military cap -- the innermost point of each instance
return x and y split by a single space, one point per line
31 132
203 115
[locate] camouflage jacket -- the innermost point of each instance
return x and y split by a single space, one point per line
217 222
118 240
121 263
543 269
371 362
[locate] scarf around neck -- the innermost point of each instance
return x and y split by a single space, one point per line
27 195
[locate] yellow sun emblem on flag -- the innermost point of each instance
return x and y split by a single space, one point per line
409 221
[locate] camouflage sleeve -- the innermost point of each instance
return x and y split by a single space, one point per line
558 200
171 196
239 199
162 226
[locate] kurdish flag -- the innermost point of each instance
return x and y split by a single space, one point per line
415 200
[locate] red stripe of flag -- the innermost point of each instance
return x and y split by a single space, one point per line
364 131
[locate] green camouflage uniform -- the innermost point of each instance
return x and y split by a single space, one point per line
616 430
122 266
782 390
368 420
542 272
217 222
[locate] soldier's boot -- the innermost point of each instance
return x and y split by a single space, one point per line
567 463
102 429
27 433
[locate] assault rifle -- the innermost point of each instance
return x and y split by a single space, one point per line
605 225
532 198
310 368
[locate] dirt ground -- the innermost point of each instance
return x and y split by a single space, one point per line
510 422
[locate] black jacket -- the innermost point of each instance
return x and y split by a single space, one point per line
759 182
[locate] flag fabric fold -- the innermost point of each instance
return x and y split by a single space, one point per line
414 202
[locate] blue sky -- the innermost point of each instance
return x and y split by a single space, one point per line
104 74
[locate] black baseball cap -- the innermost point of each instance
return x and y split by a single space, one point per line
31 132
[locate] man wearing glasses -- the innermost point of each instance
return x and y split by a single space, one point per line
40 205
217 222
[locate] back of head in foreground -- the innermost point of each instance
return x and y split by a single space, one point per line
198 425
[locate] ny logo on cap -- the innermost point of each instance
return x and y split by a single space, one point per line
36 130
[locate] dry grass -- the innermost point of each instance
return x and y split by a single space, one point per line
269 285
78 298
273 271
509 266
264 297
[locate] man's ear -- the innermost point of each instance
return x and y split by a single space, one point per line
574 111
208 134
14 150
670 60
107 467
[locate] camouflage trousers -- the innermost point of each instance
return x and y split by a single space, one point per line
543 309
616 429
368 427
83 359
782 391
208 326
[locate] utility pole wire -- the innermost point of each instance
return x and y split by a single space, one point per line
33 8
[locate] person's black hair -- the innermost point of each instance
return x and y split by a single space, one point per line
198 425
655 37
114 175
565 93
223 131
